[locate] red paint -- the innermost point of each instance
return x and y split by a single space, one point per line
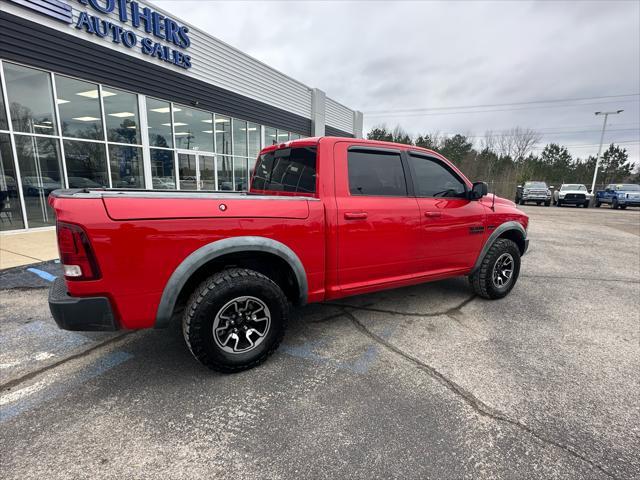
347 244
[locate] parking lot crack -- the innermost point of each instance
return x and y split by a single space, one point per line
594 279
474 402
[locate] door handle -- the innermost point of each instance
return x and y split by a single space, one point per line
355 215
432 214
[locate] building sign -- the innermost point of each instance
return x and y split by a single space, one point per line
149 33
155 26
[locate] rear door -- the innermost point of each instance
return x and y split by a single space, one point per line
378 221
452 231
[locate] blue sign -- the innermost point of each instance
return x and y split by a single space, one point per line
153 25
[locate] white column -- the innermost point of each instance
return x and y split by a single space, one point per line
318 117
357 124
144 132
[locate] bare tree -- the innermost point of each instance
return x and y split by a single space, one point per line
517 143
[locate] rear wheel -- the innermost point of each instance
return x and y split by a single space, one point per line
234 320
499 270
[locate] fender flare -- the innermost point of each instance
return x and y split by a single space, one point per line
216 249
512 225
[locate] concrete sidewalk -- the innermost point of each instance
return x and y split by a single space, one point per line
23 248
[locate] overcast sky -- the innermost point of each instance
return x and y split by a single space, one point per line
388 56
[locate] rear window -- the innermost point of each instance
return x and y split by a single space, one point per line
286 170
376 173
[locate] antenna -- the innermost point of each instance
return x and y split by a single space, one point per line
493 200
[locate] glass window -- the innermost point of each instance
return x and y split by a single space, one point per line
223 135
126 166
187 171
30 100
287 170
225 172
121 114
376 173
193 129
207 172
159 120
283 136
4 124
41 174
79 108
253 131
162 169
239 138
240 173
270 136
86 164
295 136
10 209
433 179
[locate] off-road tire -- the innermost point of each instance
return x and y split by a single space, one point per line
481 280
210 297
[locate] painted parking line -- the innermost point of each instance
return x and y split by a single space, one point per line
19 401
42 274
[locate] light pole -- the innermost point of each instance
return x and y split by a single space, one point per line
604 126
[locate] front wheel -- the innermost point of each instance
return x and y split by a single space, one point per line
234 320
499 270
614 205
623 207
559 203
586 204
597 204
547 203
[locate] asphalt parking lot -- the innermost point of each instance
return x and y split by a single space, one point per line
421 382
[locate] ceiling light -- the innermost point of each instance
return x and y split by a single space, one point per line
86 119
122 114
222 120
220 131
163 110
177 124
60 101
42 126
207 121
132 128
106 93
181 134
207 131
252 129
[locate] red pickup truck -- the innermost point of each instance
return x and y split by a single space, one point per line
324 218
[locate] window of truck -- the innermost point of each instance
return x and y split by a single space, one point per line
286 170
376 173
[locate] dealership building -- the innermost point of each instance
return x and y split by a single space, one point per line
121 94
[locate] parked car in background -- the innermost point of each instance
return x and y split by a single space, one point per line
619 195
572 194
324 218
537 192
34 186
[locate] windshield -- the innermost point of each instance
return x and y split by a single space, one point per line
573 186
286 170
627 187
535 185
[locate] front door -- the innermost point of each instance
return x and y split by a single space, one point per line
197 171
452 232
378 222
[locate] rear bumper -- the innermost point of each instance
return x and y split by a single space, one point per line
87 314
629 203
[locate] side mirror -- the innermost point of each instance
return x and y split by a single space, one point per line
479 190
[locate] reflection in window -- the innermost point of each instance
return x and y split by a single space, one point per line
126 167
193 129
286 170
225 172
79 108
121 114
159 120
270 136
434 179
376 173
187 171
4 124
295 136
207 172
162 166
223 134
240 173
239 138
86 164
30 100
41 173
283 136
253 131
10 209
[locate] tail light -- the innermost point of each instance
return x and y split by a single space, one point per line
76 255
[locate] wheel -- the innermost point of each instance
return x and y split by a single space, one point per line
521 202
614 205
623 207
559 203
234 320
597 204
547 203
586 204
499 270
538 203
